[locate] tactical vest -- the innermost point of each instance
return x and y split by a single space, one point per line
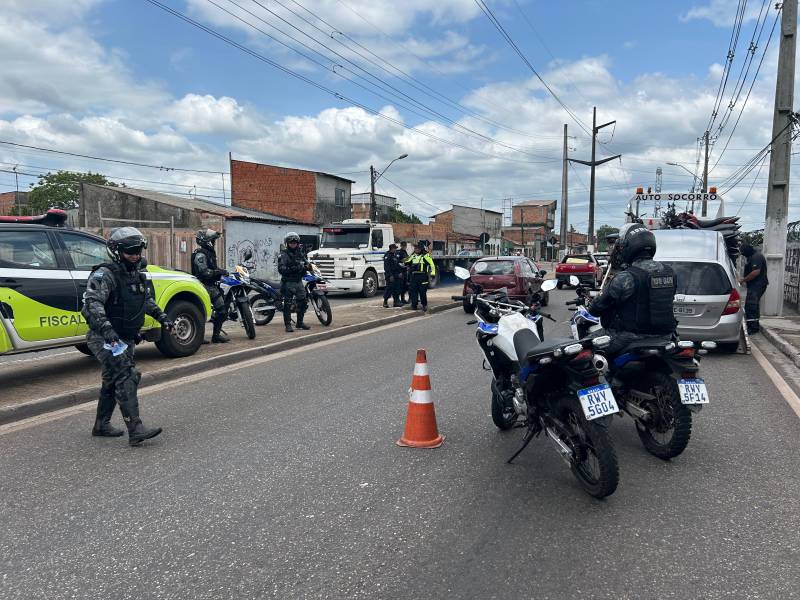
211 261
125 307
649 311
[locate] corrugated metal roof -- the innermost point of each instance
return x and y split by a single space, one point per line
229 212
536 203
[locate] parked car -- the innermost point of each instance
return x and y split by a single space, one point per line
43 273
518 274
584 266
470 253
709 300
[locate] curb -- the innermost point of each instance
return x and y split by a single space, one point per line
32 408
782 344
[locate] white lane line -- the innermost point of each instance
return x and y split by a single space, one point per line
151 389
783 387
35 358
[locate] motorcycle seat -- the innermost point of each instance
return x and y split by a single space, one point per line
648 342
712 222
528 346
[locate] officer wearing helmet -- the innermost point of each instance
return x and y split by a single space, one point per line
206 269
292 265
116 300
638 300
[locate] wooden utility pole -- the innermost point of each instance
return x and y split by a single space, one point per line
564 196
775 227
704 209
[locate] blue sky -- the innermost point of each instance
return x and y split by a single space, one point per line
124 79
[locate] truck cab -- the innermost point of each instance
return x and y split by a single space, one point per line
350 255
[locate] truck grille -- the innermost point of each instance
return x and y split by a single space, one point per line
326 267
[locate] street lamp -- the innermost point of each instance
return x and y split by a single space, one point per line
373 212
695 177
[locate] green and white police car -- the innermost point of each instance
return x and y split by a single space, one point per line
44 268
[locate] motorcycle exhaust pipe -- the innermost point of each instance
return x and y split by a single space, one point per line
563 450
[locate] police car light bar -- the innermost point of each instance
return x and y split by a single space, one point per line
54 217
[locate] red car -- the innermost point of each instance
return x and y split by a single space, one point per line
518 274
584 266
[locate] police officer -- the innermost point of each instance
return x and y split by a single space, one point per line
116 301
206 269
393 271
755 276
292 265
402 255
421 268
638 301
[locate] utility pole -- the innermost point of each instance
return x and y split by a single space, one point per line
704 205
775 227
564 196
594 163
522 229
372 208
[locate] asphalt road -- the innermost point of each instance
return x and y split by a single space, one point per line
282 480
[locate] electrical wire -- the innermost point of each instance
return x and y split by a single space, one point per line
738 210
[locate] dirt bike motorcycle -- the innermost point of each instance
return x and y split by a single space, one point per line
655 380
234 293
267 298
547 387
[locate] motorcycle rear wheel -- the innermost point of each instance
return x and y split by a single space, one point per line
503 416
261 316
595 462
668 435
322 308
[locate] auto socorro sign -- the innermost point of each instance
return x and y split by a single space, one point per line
677 197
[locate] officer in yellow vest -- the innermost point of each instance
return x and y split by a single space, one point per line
421 268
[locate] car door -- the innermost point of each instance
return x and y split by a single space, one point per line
536 281
39 298
83 252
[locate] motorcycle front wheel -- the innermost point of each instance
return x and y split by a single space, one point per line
594 462
322 308
247 318
667 433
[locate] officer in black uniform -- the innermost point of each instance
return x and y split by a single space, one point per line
402 255
638 300
292 265
755 277
206 269
393 270
115 303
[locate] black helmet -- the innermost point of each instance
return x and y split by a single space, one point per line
292 236
207 237
125 239
636 241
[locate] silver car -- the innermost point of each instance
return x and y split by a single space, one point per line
709 300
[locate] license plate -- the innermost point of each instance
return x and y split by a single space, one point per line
322 287
683 310
693 391
597 401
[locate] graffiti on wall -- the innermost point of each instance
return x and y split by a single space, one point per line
265 253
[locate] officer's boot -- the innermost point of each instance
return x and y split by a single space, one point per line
300 324
129 407
219 336
105 408
287 317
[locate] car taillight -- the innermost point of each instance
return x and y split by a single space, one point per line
734 303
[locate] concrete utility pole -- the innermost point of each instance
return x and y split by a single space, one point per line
779 163
594 163
373 213
522 229
704 208
564 196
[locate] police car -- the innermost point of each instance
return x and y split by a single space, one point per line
44 268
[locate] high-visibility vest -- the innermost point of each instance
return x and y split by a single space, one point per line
421 263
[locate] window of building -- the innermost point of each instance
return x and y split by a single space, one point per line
339 200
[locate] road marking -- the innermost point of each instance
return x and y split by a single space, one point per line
151 389
35 358
783 387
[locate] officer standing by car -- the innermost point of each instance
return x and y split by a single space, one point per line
393 271
116 301
402 255
206 269
638 301
421 268
292 265
755 277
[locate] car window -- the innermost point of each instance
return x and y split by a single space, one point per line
700 279
534 267
26 250
576 260
493 267
377 238
85 252
525 268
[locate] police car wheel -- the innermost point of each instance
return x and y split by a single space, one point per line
84 348
189 330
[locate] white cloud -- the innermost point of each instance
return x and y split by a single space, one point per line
723 12
195 114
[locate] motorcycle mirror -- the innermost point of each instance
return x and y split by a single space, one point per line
574 281
548 285
247 255
461 273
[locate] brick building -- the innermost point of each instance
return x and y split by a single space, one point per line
532 213
383 204
304 196
10 199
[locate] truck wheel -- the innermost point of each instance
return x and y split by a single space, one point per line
560 284
189 330
370 284
84 348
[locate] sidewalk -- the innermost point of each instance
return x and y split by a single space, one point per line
784 334
35 384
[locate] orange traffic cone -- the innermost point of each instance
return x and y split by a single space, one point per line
421 430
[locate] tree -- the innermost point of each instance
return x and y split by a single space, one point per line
398 216
602 232
61 189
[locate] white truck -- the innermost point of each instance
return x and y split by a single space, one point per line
350 256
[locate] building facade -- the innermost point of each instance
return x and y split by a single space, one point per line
383 205
534 213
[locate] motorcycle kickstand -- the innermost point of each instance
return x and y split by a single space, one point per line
525 441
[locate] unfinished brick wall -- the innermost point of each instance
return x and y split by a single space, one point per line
277 190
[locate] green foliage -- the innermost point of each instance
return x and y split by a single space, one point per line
19 211
398 216
602 232
61 189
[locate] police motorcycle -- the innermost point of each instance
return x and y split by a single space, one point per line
547 387
655 381
268 299
234 288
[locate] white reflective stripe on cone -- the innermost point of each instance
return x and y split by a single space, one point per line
421 397
420 368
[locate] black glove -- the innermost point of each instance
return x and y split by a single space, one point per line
137 339
109 335
307 267
166 323
222 273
